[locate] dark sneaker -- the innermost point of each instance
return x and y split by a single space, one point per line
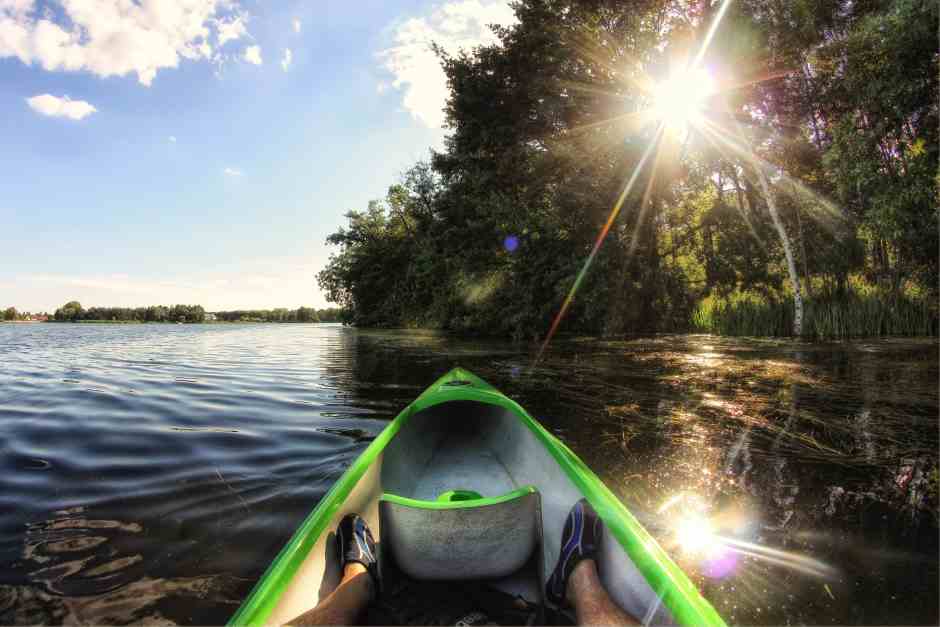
579 541
354 543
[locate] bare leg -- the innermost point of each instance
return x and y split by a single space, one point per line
343 605
590 600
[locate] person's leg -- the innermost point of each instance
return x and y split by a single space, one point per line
575 580
344 605
591 602
355 551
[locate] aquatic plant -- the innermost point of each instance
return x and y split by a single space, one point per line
857 313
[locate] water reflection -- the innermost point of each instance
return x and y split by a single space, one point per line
70 554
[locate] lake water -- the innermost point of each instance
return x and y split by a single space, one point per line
151 472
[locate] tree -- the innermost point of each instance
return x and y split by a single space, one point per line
70 311
818 178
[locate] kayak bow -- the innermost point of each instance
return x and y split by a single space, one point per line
463 445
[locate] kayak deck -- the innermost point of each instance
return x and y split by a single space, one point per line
460 461
447 448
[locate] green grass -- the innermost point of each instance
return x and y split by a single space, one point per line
856 314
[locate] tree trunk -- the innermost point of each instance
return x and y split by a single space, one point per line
807 282
787 250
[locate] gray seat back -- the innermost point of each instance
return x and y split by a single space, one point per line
483 538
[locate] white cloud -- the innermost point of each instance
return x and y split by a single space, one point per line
296 24
232 172
230 30
116 37
253 55
63 107
172 139
286 59
456 25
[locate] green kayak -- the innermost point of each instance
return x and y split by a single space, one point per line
466 476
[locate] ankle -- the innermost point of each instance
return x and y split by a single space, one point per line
583 580
351 569
356 571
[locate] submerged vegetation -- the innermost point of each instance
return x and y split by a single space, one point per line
658 166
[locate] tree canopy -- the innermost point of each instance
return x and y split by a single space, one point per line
810 169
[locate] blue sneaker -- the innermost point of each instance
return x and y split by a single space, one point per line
579 540
354 543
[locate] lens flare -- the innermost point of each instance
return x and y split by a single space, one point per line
678 101
695 535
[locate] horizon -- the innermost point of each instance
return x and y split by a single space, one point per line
201 152
86 307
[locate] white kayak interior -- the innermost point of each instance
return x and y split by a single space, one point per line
463 445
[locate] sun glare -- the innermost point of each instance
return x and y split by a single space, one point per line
696 536
678 100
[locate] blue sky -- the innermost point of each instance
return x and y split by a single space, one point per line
147 157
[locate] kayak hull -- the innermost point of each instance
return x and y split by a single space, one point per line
462 434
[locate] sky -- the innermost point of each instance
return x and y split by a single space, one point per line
200 151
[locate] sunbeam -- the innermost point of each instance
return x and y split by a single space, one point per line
645 202
793 561
654 141
766 169
711 33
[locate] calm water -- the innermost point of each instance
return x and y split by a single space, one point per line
150 473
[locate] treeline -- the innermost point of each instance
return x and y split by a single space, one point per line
74 312
808 176
301 314
11 314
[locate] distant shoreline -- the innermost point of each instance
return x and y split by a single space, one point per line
73 311
166 322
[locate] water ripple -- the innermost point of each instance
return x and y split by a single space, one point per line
149 473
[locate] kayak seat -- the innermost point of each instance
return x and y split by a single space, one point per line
462 538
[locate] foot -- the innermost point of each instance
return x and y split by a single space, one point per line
579 541
355 545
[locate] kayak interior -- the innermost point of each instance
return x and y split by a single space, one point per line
467 447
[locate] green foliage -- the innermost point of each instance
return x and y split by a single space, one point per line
73 312
540 148
857 313
301 314
330 314
69 312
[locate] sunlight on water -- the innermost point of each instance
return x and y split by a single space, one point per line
715 542
695 536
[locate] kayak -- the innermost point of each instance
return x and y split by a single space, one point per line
465 485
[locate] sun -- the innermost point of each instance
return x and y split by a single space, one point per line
679 100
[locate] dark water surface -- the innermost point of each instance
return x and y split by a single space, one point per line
151 472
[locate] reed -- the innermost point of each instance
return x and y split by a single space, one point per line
858 313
